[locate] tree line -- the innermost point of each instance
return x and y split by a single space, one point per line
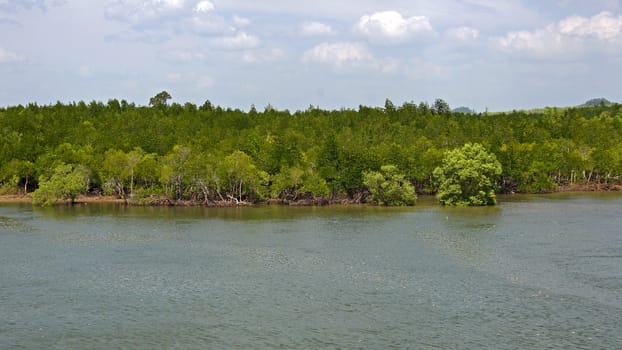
210 154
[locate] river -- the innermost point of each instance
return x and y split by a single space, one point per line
534 272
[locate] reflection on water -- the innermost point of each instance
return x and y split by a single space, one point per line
277 212
532 273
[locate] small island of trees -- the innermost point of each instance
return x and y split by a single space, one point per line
169 153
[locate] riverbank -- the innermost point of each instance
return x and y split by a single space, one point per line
163 201
82 199
590 187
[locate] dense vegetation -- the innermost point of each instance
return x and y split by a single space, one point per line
389 187
467 176
209 154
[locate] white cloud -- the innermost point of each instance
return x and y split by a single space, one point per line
539 41
316 29
240 41
389 65
206 21
263 56
171 3
210 24
138 11
604 26
204 7
569 36
183 56
9 56
392 27
338 53
241 21
16 5
155 21
462 33
152 37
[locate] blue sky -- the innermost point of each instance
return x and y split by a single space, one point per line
500 55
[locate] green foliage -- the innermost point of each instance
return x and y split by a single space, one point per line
467 176
243 178
15 173
441 107
294 183
537 178
66 182
313 184
388 187
174 171
178 151
160 99
287 183
114 172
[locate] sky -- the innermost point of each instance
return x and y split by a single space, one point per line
495 55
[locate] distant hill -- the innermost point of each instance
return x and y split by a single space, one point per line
597 102
463 110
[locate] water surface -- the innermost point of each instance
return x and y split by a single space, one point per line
539 272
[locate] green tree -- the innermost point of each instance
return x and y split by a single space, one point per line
160 100
467 176
147 170
286 184
175 169
134 158
17 172
389 107
441 107
206 183
66 182
314 184
243 177
388 187
118 170
114 172
296 182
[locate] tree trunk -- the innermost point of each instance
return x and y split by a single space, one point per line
590 176
132 183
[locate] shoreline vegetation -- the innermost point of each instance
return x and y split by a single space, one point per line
173 154
107 199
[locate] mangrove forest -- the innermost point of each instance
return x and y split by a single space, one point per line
169 153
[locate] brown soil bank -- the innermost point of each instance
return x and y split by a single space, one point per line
589 187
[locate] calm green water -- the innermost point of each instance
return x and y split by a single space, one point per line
531 273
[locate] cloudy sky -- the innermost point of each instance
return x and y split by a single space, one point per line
495 54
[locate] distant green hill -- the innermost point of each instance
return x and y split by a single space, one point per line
597 102
463 110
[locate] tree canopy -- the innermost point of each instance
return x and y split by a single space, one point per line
210 154
468 176
389 187
160 100
66 182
